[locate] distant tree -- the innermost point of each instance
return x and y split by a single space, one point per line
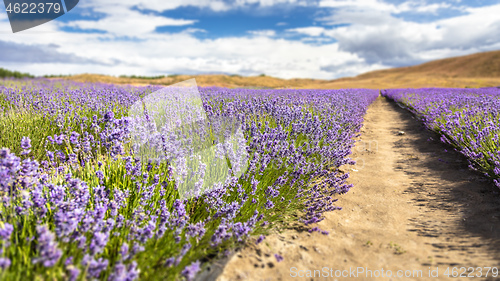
4 73
142 77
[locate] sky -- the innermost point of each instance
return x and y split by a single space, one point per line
323 39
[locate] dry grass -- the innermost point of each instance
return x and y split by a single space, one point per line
477 70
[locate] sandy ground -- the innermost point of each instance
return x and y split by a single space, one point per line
414 208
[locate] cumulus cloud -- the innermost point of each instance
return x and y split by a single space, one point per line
376 5
395 41
184 53
269 3
310 31
24 53
370 30
156 5
214 5
265 33
124 22
358 36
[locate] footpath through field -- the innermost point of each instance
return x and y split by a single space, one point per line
415 210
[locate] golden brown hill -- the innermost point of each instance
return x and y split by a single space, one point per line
476 70
230 81
472 66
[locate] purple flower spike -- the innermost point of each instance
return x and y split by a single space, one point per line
100 175
5 231
260 239
191 270
4 263
73 273
279 258
49 254
26 145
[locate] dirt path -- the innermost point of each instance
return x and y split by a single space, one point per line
414 206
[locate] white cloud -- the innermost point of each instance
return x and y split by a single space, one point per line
381 6
265 33
156 5
379 37
162 5
374 38
194 30
310 31
124 22
183 53
268 3
373 5
431 8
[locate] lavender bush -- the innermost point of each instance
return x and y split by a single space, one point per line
468 119
78 204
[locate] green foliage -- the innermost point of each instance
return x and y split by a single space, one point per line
4 73
143 77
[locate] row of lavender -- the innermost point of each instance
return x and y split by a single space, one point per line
77 204
468 119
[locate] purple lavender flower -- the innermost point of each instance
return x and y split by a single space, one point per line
79 211
48 253
279 258
109 116
73 272
240 230
466 119
50 155
122 272
4 263
99 174
119 273
73 138
169 262
314 229
260 239
95 266
5 230
98 242
66 220
26 145
124 251
269 204
191 270
195 230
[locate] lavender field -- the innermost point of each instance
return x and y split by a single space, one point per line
78 204
467 119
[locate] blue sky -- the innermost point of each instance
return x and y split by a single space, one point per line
323 39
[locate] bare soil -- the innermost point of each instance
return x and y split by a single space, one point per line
414 206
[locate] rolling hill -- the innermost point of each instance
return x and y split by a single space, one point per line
476 70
